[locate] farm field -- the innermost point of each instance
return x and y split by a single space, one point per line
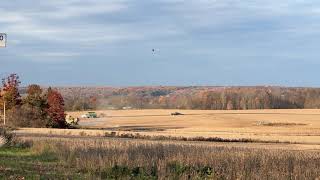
300 126
286 146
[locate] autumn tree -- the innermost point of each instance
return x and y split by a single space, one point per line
35 97
10 94
56 108
35 107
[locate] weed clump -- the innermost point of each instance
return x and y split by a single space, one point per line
6 136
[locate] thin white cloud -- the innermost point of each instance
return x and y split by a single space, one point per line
52 54
7 17
71 9
219 12
50 57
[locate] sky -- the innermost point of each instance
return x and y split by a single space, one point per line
195 42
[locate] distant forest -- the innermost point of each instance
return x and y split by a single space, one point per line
218 98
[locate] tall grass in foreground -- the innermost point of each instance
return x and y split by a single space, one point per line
142 159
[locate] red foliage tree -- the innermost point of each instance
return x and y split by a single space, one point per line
56 108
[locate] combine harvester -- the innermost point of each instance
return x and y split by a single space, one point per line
90 115
75 120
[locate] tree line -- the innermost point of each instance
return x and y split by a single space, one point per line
37 108
214 98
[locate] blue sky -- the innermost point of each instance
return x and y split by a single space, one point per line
196 42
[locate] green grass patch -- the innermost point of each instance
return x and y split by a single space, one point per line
17 162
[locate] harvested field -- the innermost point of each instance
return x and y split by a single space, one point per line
295 126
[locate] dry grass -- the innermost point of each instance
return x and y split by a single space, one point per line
142 159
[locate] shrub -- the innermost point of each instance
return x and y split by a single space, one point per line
6 136
26 116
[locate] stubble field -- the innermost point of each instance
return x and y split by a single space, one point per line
298 126
294 126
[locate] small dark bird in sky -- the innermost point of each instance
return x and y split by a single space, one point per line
153 50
